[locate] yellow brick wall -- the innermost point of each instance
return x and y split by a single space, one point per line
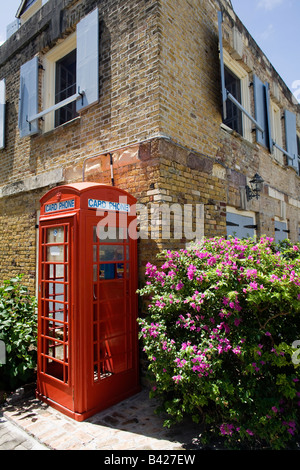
18 237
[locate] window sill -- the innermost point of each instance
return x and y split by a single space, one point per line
232 132
58 129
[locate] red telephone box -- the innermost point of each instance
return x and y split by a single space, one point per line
87 328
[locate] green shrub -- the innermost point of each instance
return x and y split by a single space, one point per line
223 318
18 331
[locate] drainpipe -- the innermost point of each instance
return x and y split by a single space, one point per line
112 169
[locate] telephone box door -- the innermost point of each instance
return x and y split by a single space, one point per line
55 302
112 262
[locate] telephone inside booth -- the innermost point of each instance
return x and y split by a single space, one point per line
87 310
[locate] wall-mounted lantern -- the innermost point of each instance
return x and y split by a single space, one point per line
255 188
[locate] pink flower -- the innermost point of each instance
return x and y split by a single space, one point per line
191 272
237 350
177 378
251 273
226 429
253 285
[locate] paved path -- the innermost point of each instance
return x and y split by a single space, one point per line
130 425
14 438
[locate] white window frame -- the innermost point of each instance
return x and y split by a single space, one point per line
243 76
275 112
49 64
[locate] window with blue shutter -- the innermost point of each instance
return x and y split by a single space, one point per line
88 60
75 82
2 113
291 139
233 113
227 94
262 113
28 100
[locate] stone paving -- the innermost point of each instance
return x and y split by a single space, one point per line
130 425
14 438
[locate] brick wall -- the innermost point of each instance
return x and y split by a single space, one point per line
18 237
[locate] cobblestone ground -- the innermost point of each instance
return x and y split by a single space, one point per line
13 438
130 425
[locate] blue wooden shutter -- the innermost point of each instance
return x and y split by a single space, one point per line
2 113
291 138
281 232
28 100
88 60
224 91
262 112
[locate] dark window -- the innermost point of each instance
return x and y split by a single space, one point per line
234 115
65 86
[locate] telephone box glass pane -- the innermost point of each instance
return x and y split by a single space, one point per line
110 234
111 252
55 253
56 235
54 291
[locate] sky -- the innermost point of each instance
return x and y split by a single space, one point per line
9 9
274 24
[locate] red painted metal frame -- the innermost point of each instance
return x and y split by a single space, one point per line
100 334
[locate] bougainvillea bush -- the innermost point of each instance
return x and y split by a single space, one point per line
221 335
